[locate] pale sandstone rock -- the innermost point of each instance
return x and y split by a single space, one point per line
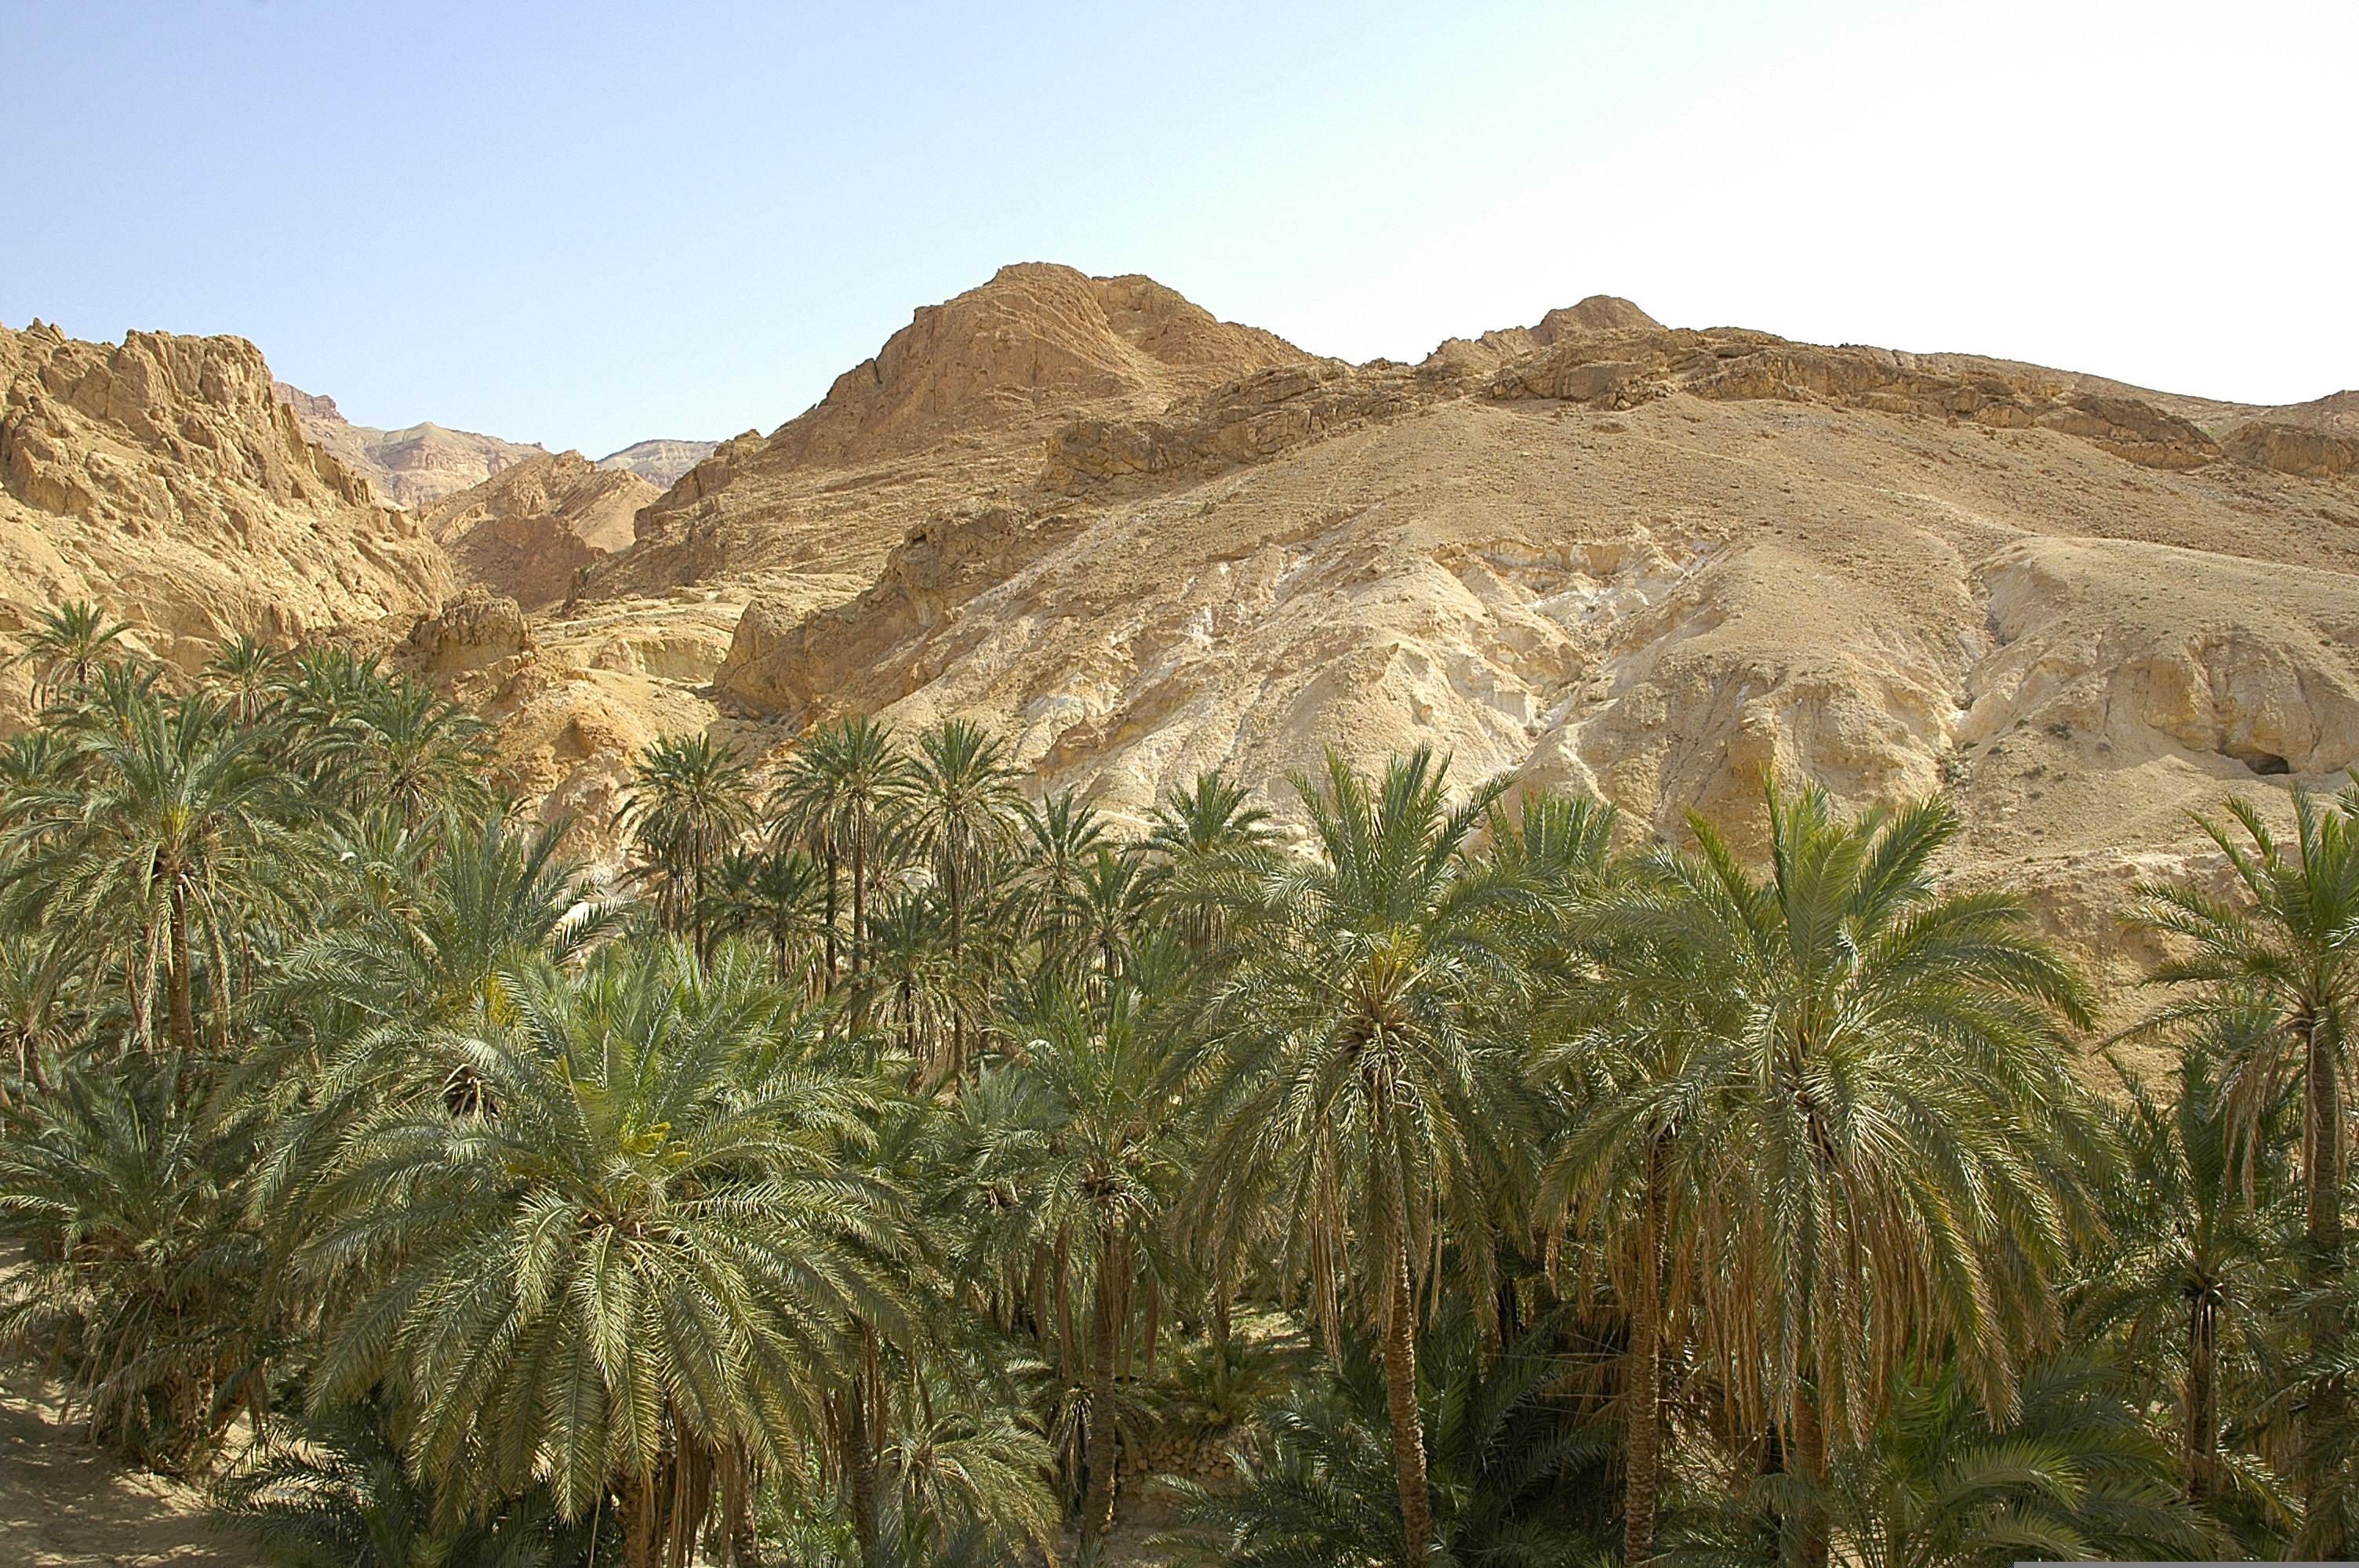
160 478
532 529
1654 564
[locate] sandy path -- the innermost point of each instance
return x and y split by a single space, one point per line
65 1505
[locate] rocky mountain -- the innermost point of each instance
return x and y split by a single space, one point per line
531 529
160 477
1596 552
411 467
660 462
953 405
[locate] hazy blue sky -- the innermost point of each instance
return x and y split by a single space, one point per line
582 224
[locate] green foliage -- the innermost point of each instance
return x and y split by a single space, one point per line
901 1160
1519 1475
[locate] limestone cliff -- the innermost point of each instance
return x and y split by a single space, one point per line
161 478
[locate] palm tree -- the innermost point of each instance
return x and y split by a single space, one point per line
1884 1083
777 895
635 1277
406 748
687 806
65 647
336 1493
1360 1081
841 793
1633 1173
2288 946
912 986
1111 916
1214 849
2071 1474
1520 1477
247 673
1061 835
962 815
2194 1261
139 1279
1081 1157
168 822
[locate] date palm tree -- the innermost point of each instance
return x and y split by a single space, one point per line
2200 1235
1884 1080
1083 1158
1360 1080
1214 849
628 1270
2286 946
962 815
841 795
775 894
688 806
1060 836
164 830
66 647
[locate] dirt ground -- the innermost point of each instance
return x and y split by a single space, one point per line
65 1505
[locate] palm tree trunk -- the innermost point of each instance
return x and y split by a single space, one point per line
1401 1397
859 893
1811 1458
1097 1508
2323 1136
958 942
2203 1423
1642 1477
696 914
634 1520
737 1506
830 858
860 1457
178 987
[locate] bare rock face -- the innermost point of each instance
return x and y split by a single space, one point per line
160 477
2293 449
951 410
530 530
1656 565
1035 338
1578 356
660 462
411 467
475 631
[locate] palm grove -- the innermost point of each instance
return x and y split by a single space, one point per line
893 1169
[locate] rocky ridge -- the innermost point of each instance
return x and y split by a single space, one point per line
412 467
954 406
660 463
161 478
1651 563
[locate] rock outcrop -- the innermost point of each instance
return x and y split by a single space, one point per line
532 529
954 408
161 478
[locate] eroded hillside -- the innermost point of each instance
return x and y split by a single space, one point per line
160 477
1597 553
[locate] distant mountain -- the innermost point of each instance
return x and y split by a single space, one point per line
412 467
527 530
660 462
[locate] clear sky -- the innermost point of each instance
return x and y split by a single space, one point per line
583 224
